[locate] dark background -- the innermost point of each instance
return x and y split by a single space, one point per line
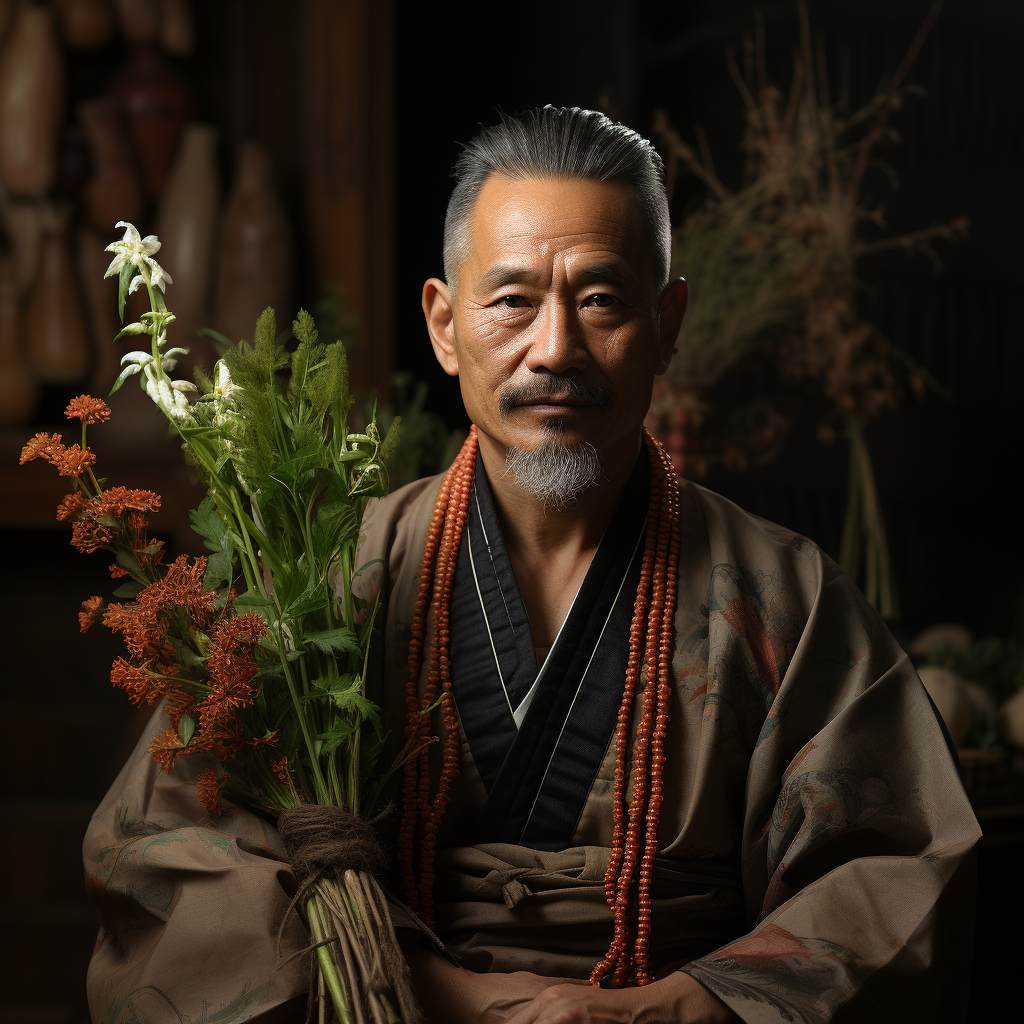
946 469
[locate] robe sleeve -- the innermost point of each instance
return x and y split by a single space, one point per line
857 861
190 905
194 908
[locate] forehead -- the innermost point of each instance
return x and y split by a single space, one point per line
539 220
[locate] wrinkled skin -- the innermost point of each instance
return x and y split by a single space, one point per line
558 282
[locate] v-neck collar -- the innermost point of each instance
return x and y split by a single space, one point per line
538 735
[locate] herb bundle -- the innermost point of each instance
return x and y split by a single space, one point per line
269 680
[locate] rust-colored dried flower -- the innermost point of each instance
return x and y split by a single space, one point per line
165 749
142 685
70 505
42 446
73 461
211 788
87 409
90 612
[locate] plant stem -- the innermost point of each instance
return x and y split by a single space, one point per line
328 968
322 794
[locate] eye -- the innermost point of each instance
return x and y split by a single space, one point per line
600 299
513 301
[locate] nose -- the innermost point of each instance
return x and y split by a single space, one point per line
556 341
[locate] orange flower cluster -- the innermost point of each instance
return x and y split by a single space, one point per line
70 461
155 671
87 409
211 788
184 645
114 517
90 612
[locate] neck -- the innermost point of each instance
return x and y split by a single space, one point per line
532 530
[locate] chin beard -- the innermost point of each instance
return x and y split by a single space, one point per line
555 473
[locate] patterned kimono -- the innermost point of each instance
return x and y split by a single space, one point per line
814 845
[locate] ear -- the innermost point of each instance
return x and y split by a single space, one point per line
439 312
671 308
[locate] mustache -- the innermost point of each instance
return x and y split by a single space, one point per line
554 385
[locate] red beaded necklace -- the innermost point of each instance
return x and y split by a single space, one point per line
634 833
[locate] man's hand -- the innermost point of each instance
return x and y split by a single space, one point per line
451 995
677 999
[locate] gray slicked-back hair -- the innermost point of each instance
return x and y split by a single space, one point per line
559 142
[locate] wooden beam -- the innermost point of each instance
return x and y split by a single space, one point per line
348 144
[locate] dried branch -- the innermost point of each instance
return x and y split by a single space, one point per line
874 136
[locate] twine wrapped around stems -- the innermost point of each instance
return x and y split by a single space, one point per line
335 856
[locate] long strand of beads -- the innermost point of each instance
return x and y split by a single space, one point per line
458 513
636 639
416 782
664 692
415 725
641 754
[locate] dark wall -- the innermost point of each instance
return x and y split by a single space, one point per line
945 467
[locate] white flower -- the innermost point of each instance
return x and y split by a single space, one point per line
141 358
158 277
132 249
170 361
224 389
170 399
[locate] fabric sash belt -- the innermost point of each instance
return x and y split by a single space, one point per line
504 907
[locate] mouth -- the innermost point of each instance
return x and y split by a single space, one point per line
560 402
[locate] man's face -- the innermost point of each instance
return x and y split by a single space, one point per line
555 327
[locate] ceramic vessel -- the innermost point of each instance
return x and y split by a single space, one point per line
85 24
186 226
31 104
951 698
114 191
23 221
157 102
8 8
19 391
1011 719
140 19
177 34
254 264
58 342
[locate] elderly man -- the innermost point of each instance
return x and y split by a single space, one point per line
679 756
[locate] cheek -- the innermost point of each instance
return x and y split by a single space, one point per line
629 360
489 347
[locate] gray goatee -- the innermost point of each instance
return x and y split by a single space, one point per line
556 474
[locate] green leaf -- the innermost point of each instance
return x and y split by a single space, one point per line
207 522
269 643
186 729
219 569
305 604
221 339
128 272
334 641
390 443
128 591
330 740
128 371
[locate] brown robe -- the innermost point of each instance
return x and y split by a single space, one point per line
814 840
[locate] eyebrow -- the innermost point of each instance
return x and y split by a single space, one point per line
504 274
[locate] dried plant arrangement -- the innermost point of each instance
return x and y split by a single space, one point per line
772 268
258 650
